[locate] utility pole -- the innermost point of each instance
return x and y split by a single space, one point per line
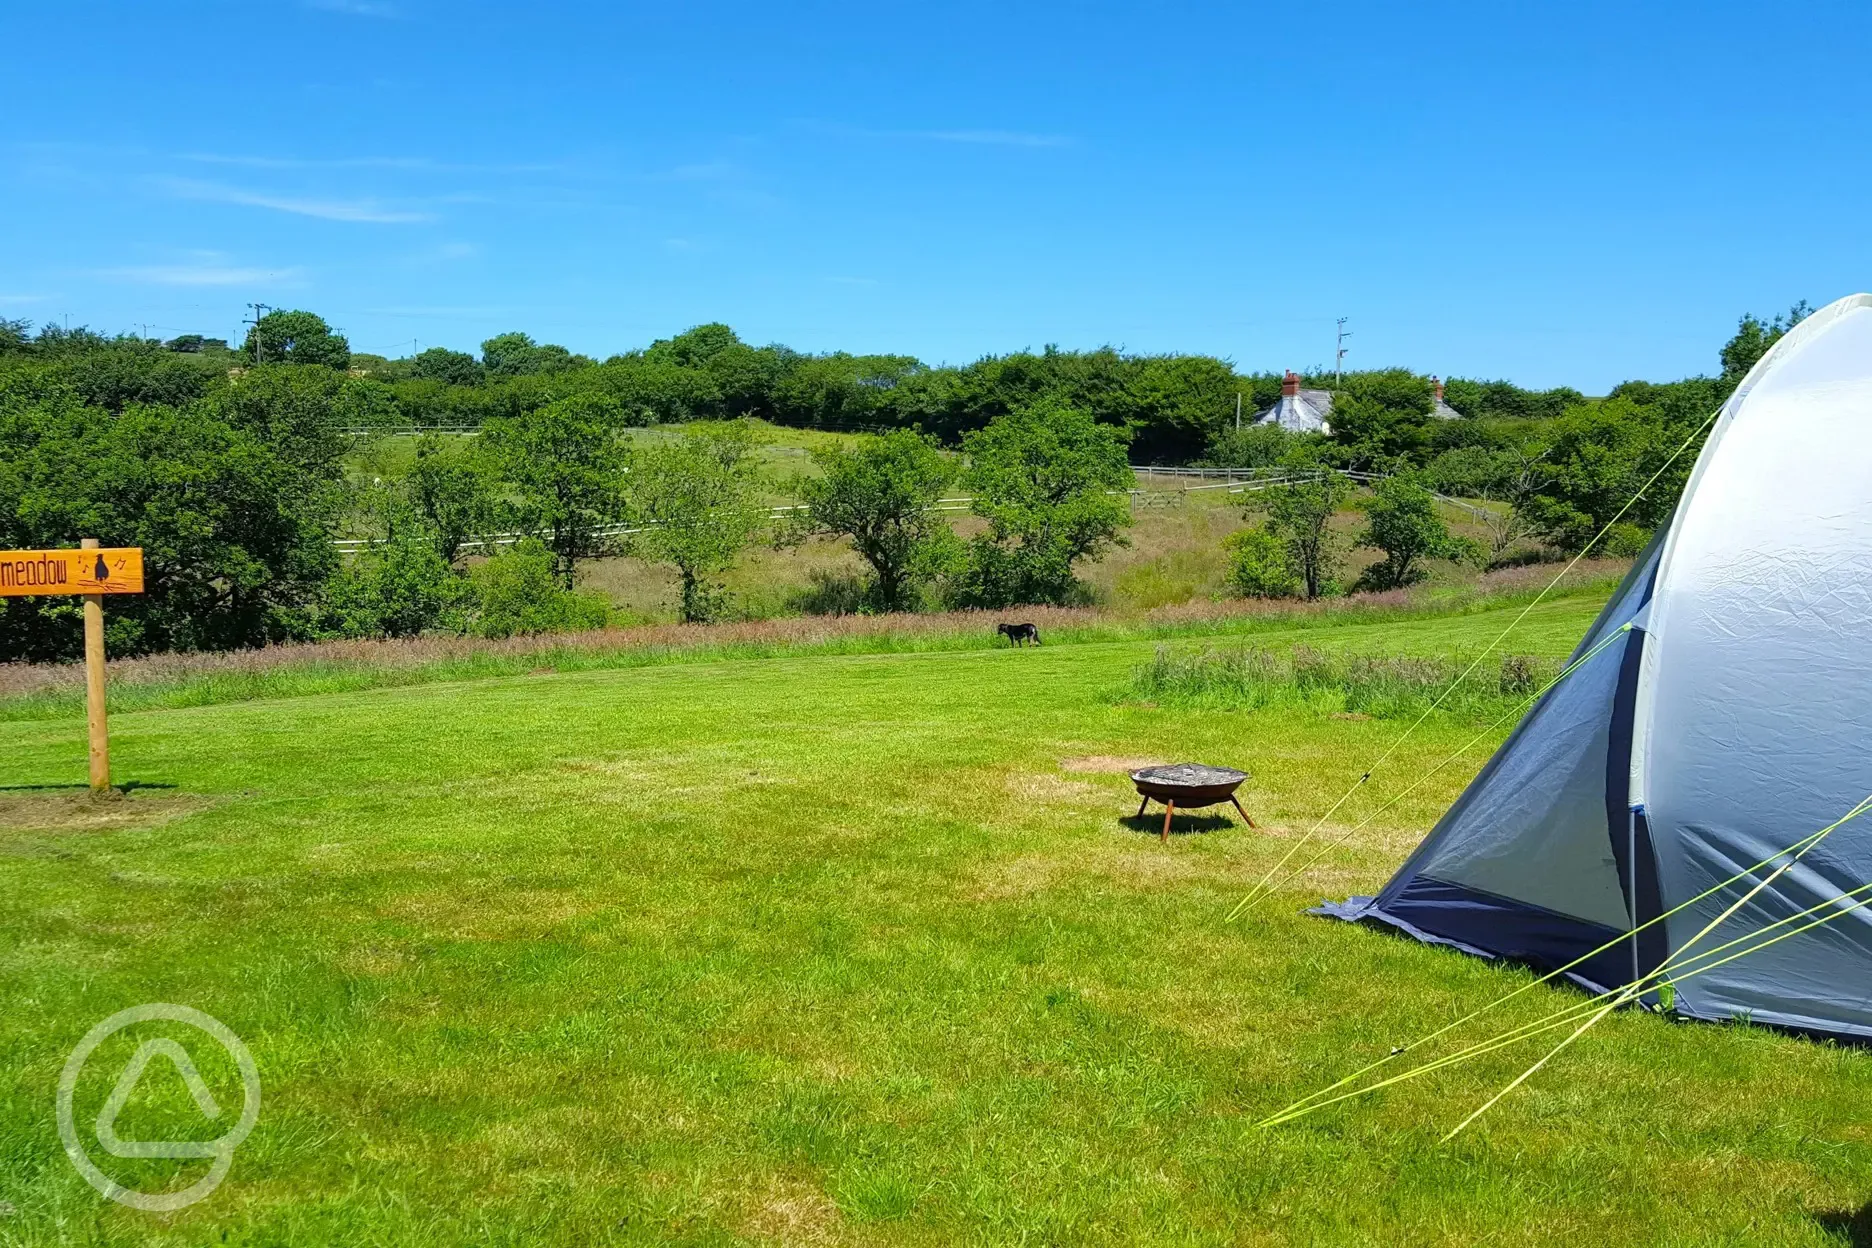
1238 411
259 310
1339 350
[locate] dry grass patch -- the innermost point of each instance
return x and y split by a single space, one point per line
81 811
1108 764
791 1211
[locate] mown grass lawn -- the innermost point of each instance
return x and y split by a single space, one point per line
834 949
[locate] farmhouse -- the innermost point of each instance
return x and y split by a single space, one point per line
1299 411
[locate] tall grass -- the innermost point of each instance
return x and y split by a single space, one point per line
1381 686
56 690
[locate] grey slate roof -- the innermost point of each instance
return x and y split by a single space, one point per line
1306 412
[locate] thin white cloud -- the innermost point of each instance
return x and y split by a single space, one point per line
355 8
359 210
200 275
12 299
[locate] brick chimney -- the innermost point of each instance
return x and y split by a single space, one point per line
1290 384
1437 382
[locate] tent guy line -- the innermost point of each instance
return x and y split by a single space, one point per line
1671 972
1261 889
1425 778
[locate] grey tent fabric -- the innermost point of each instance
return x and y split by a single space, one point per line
1528 842
1732 720
1758 708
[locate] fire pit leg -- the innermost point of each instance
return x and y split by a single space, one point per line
1169 811
1141 806
1241 812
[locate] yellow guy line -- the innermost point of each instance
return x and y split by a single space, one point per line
1673 971
1424 779
1257 891
1307 1103
1635 987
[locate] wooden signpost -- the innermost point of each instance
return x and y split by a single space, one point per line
93 572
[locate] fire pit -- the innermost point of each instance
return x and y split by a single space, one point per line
1189 785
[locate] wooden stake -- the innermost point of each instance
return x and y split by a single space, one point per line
94 684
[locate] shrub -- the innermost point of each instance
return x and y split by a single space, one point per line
1252 446
832 593
517 593
1261 566
398 588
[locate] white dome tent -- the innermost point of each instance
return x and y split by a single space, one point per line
1723 717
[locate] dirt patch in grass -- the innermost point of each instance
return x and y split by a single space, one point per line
791 1211
1049 789
1129 866
1108 764
78 811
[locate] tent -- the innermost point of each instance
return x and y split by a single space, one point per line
1731 719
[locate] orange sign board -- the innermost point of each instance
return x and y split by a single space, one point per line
110 571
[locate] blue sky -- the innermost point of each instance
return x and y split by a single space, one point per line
1558 194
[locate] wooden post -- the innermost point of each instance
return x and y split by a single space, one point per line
94 684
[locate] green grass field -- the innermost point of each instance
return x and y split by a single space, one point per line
834 949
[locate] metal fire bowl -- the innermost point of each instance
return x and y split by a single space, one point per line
1188 784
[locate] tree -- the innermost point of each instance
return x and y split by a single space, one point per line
1373 436
1052 484
450 488
306 414
517 355
296 338
882 495
1179 404
565 462
1402 521
1299 512
454 368
695 348
1752 339
1603 454
695 499
237 539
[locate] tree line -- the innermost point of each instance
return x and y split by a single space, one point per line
228 464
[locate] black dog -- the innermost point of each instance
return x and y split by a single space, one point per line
1018 633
